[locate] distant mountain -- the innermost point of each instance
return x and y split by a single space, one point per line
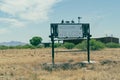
12 43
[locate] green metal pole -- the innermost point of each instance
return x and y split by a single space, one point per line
88 47
52 49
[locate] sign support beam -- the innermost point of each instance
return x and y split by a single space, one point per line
88 47
52 39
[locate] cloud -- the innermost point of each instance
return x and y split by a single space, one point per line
12 22
30 10
19 13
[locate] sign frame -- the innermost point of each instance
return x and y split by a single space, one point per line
85 33
55 30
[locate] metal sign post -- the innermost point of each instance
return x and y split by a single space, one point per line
52 39
86 32
88 47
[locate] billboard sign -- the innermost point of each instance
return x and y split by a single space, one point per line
70 31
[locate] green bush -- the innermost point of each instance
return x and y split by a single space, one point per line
112 45
16 47
40 46
27 46
11 47
82 46
94 45
69 45
2 47
35 41
56 45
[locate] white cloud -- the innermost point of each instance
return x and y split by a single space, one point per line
12 22
30 10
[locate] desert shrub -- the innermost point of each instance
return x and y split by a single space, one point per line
94 45
112 45
69 45
40 46
3 47
56 45
27 46
11 47
16 47
82 46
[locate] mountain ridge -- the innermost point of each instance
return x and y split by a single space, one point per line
12 43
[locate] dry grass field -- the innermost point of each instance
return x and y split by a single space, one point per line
25 64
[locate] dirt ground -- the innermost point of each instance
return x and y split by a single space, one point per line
26 64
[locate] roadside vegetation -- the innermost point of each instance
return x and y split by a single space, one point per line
36 42
94 45
112 45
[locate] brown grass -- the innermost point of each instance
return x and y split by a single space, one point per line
25 64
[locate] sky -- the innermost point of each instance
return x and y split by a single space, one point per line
20 20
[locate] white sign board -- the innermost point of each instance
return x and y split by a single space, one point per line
70 31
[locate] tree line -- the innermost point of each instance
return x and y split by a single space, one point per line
35 42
